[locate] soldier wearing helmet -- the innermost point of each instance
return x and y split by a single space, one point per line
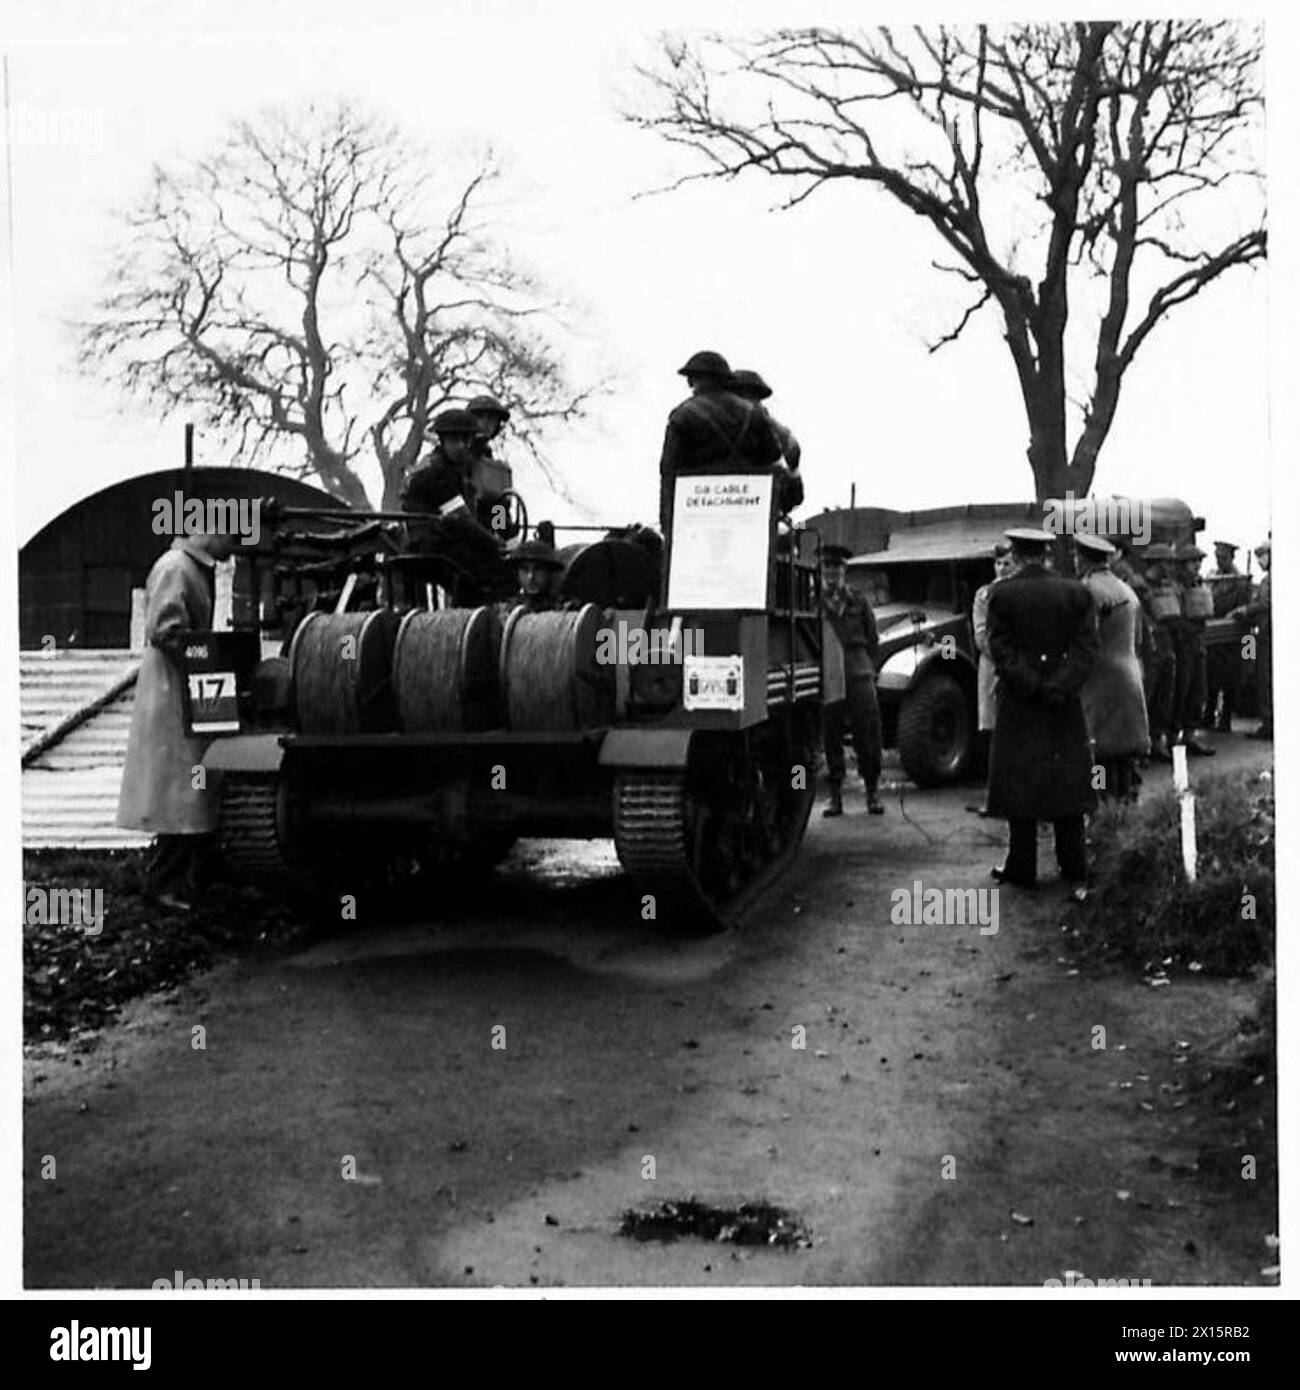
491 417
713 430
458 531
750 386
537 568
441 483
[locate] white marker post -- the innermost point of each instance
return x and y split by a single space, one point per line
1187 805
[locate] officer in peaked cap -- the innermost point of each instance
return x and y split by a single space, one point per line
853 631
712 431
490 416
1029 535
1094 545
1042 635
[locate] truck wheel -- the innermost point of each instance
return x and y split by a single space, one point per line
936 735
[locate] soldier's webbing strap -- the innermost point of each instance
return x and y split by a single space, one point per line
733 445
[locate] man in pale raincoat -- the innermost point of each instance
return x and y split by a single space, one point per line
1114 699
158 793
986 701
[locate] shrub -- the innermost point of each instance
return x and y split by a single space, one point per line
1144 912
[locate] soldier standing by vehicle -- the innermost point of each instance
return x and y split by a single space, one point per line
1043 636
714 431
1259 613
1162 607
1230 589
1195 607
986 704
854 625
158 794
1114 704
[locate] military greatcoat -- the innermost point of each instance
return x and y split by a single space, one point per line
1043 639
158 795
1114 702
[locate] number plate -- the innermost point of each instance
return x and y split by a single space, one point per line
214 708
714 682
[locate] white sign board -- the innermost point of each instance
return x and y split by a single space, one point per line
721 530
714 682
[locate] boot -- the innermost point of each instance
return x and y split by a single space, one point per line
1160 750
875 806
836 802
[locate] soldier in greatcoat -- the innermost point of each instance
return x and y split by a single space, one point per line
1043 637
1114 703
159 795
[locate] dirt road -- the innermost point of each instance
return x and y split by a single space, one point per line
948 1120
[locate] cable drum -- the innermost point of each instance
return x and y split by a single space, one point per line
550 678
445 671
339 665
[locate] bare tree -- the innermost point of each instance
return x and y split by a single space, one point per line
1105 163
317 290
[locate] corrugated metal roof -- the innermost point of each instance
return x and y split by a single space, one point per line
70 790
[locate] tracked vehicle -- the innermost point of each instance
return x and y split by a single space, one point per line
674 707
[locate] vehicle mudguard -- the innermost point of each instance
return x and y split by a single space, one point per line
646 748
908 666
245 753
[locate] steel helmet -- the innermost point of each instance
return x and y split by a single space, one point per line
488 405
535 553
750 384
455 422
705 364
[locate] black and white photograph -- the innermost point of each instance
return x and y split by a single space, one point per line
645 654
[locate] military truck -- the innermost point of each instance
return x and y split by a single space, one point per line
922 585
678 717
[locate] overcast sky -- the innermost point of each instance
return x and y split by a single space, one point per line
834 302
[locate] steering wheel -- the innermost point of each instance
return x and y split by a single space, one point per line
516 513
